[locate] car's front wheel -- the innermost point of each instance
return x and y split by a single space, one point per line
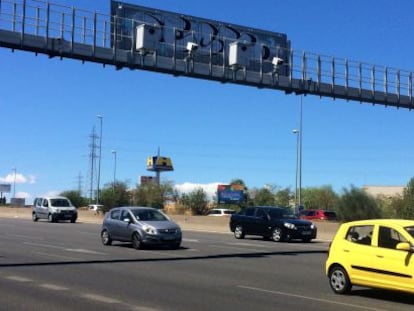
34 217
239 232
51 218
277 234
106 237
137 241
339 280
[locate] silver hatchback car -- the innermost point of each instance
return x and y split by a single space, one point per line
141 226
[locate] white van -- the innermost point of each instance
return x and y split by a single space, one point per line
54 209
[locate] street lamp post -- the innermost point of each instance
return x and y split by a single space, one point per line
100 158
14 182
113 186
299 133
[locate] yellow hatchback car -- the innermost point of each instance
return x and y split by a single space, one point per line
372 253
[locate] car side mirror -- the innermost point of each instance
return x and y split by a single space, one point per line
128 220
405 246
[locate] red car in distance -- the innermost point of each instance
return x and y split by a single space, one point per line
317 214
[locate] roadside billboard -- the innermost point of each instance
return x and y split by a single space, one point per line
230 194
5 188
159 164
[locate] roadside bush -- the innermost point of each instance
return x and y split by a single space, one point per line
356 204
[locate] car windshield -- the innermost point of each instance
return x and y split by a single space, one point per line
281 213
60 202
410 230
149 215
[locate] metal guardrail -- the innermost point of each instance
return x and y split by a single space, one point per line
58 30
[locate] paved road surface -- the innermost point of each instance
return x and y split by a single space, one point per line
62 266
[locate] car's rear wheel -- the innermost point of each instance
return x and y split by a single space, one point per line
339 280
106 237
137 241
277 234
34 217
239 232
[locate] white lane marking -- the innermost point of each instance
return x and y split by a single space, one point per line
310 298
86 251
76 250
43 245
53 287
191 240
249 244
18 278
58 256
27 237
100 298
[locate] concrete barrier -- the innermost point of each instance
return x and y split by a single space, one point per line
326 230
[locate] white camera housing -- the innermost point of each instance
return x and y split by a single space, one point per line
277 61
239 54
147 37
191 46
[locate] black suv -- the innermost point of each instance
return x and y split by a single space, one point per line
275 223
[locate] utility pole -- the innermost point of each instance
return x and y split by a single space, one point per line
100 158
80 183
92 158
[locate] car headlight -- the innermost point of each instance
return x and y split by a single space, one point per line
313 226
289 225
58 211
149 229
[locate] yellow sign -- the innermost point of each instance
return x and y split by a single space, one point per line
157 163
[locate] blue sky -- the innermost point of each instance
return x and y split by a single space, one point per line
213 132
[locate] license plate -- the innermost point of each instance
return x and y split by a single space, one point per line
306 233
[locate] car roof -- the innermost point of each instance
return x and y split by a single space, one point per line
270 207
53 197
135 207
396 222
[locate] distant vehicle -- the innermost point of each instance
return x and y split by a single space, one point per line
372 253
275 223
317 214
220 212
98 208
54 209
140 225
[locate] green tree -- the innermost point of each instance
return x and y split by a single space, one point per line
196 201
153 195
356 204
264 197
319 198
405 207
75 197
113 195
283 197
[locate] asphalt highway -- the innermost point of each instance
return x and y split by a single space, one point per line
63 266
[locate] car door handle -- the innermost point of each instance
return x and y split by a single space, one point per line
346 250
380 256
